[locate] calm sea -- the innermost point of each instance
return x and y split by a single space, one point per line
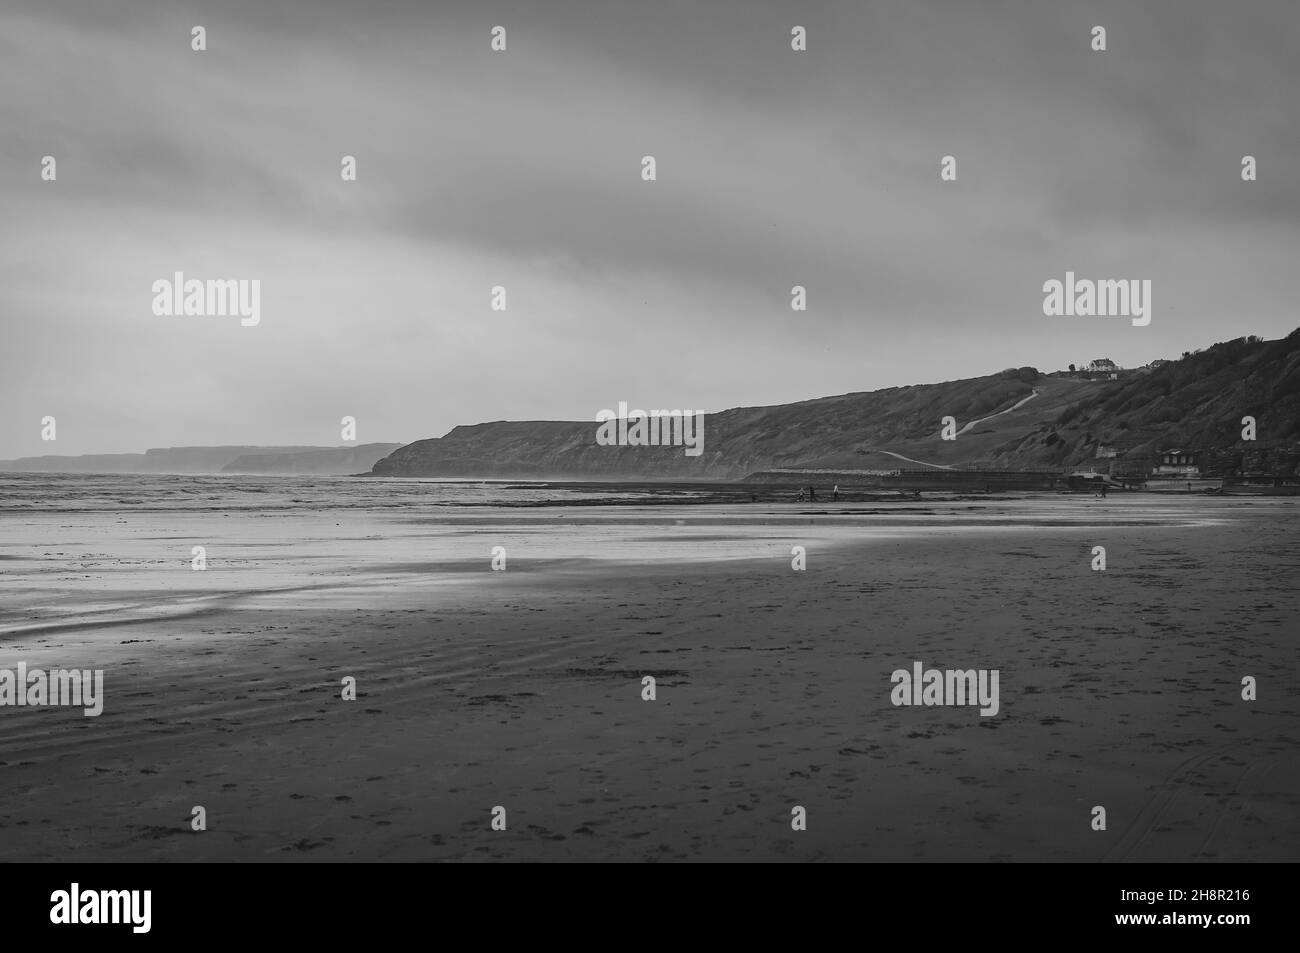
88 492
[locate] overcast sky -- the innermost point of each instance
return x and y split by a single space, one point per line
522 169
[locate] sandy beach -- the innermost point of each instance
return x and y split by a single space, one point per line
522 688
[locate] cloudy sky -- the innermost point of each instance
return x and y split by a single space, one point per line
522 169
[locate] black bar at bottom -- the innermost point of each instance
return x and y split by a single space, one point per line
941 902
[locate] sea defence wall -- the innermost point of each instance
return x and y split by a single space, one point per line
916 479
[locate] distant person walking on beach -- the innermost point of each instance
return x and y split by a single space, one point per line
1103 491
835 493
812 494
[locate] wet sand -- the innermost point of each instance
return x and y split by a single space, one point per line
523 688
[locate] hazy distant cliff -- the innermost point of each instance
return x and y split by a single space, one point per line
236 459
1062 420
320 461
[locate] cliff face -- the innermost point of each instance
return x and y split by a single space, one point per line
539 449
332 461
1015 419
736 442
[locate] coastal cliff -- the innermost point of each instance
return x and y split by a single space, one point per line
1018 418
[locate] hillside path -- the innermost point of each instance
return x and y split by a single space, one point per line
939 466
1016 406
